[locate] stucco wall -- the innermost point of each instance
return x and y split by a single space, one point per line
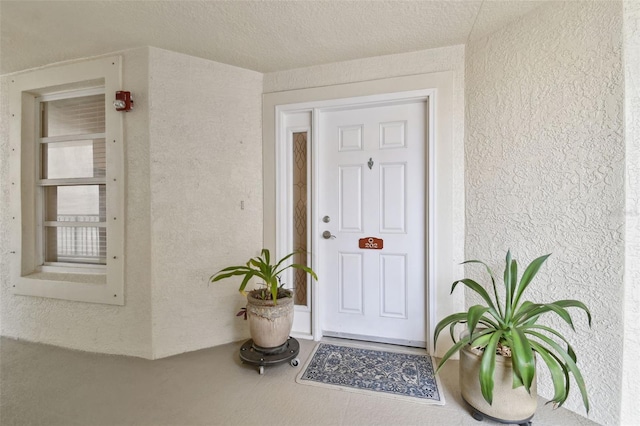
631 378
4 192
193 154
425 61
206 158
88 326
545 172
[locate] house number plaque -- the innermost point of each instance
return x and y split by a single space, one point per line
371 243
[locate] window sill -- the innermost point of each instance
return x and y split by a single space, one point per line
79 287
70 277
73 269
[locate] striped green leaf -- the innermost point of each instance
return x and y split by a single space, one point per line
528 275
471 284
557 371
493 282
474 315
488 366
523 358
569 363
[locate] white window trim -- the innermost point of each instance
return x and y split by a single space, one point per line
42 183
69 282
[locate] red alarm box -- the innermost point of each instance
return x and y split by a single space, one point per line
124 101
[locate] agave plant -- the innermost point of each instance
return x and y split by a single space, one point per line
514 325
262 268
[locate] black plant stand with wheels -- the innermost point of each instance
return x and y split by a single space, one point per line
252 354
480 416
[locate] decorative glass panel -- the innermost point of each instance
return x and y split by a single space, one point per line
300 215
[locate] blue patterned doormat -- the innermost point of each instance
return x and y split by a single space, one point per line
376 372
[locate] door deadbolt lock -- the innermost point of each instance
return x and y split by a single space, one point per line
326 219
327 235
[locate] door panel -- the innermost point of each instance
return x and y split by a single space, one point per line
392 198
351 195
372 183
350 273
350 138
393 285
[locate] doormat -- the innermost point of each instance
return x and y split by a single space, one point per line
376 372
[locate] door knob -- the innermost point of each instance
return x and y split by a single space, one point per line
327 235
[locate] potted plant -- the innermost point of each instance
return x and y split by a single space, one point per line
270 308
498 349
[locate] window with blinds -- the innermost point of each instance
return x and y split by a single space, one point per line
67 167
72 177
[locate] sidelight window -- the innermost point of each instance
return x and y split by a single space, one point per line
300 216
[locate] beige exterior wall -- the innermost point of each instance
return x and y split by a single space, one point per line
205 159
544 124
90 326
193 153
545 173
630 412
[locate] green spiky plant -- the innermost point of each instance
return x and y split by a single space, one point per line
513 325
262 268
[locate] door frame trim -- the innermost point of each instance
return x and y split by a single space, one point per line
442 267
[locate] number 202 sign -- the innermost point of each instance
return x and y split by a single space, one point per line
371 243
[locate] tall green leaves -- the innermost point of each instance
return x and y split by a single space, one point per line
488 366
508 287
528 275
514 324
493 282
262 268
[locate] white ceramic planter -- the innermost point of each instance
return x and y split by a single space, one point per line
509 405
269 324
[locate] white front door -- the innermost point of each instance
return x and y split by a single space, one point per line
372 194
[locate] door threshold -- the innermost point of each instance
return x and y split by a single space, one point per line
400 342
299 335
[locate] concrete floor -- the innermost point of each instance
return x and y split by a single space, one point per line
46 385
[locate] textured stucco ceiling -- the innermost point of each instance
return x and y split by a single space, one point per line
260 35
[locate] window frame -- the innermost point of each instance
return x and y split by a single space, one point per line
69 281
42 183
